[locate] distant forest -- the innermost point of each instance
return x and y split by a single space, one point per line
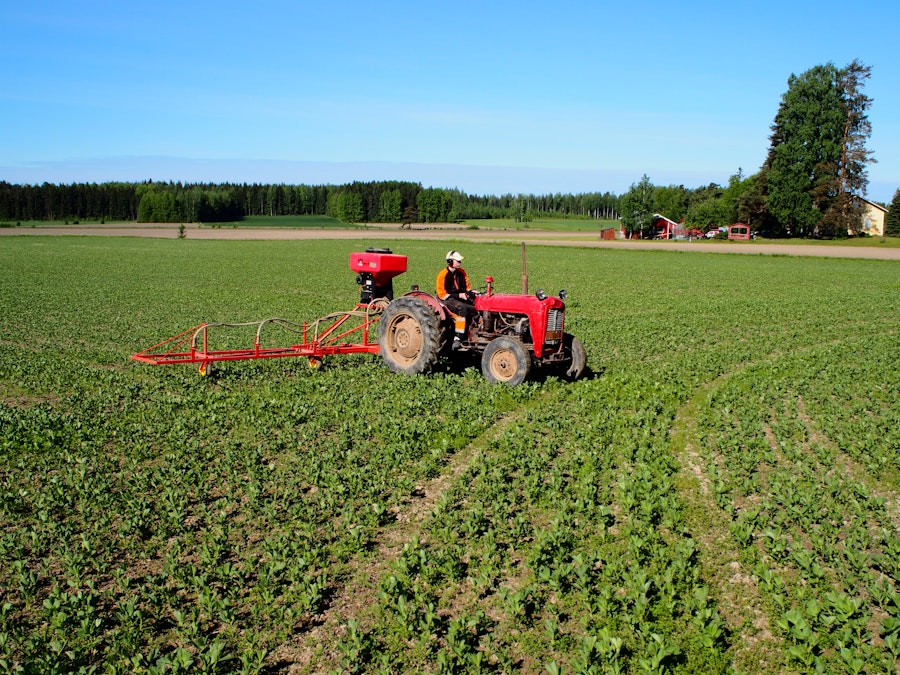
358 202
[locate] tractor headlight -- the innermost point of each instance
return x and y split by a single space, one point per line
563 294
540 295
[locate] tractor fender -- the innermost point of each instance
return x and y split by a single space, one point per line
436 305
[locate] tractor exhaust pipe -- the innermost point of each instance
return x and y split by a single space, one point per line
524 272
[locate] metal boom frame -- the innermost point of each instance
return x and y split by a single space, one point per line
326 339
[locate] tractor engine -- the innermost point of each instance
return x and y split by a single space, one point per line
502 323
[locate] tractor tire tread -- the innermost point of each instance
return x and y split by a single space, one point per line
409 324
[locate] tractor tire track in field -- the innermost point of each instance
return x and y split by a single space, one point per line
848 466
315 650
734 587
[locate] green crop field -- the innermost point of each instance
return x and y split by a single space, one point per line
719 494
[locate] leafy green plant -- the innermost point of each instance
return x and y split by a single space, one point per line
270 516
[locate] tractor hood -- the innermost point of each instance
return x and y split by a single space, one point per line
516 303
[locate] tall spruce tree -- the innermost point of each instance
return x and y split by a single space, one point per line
842 212
817 158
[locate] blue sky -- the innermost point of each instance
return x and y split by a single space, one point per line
488 97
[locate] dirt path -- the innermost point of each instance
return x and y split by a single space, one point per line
460 233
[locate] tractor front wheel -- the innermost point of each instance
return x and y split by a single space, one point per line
409 336
506 360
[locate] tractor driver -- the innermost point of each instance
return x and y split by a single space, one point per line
454 290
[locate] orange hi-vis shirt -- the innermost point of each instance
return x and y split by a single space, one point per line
451 282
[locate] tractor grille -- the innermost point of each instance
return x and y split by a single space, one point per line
554 325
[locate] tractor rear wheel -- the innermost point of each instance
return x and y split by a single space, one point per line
409 336
506 360
577 357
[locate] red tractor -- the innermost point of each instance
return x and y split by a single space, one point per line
512 333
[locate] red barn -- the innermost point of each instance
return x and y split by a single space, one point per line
663 228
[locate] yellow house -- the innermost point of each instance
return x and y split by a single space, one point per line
873 218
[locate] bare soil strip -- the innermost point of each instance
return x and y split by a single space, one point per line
449 231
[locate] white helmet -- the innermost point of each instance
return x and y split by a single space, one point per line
454 255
